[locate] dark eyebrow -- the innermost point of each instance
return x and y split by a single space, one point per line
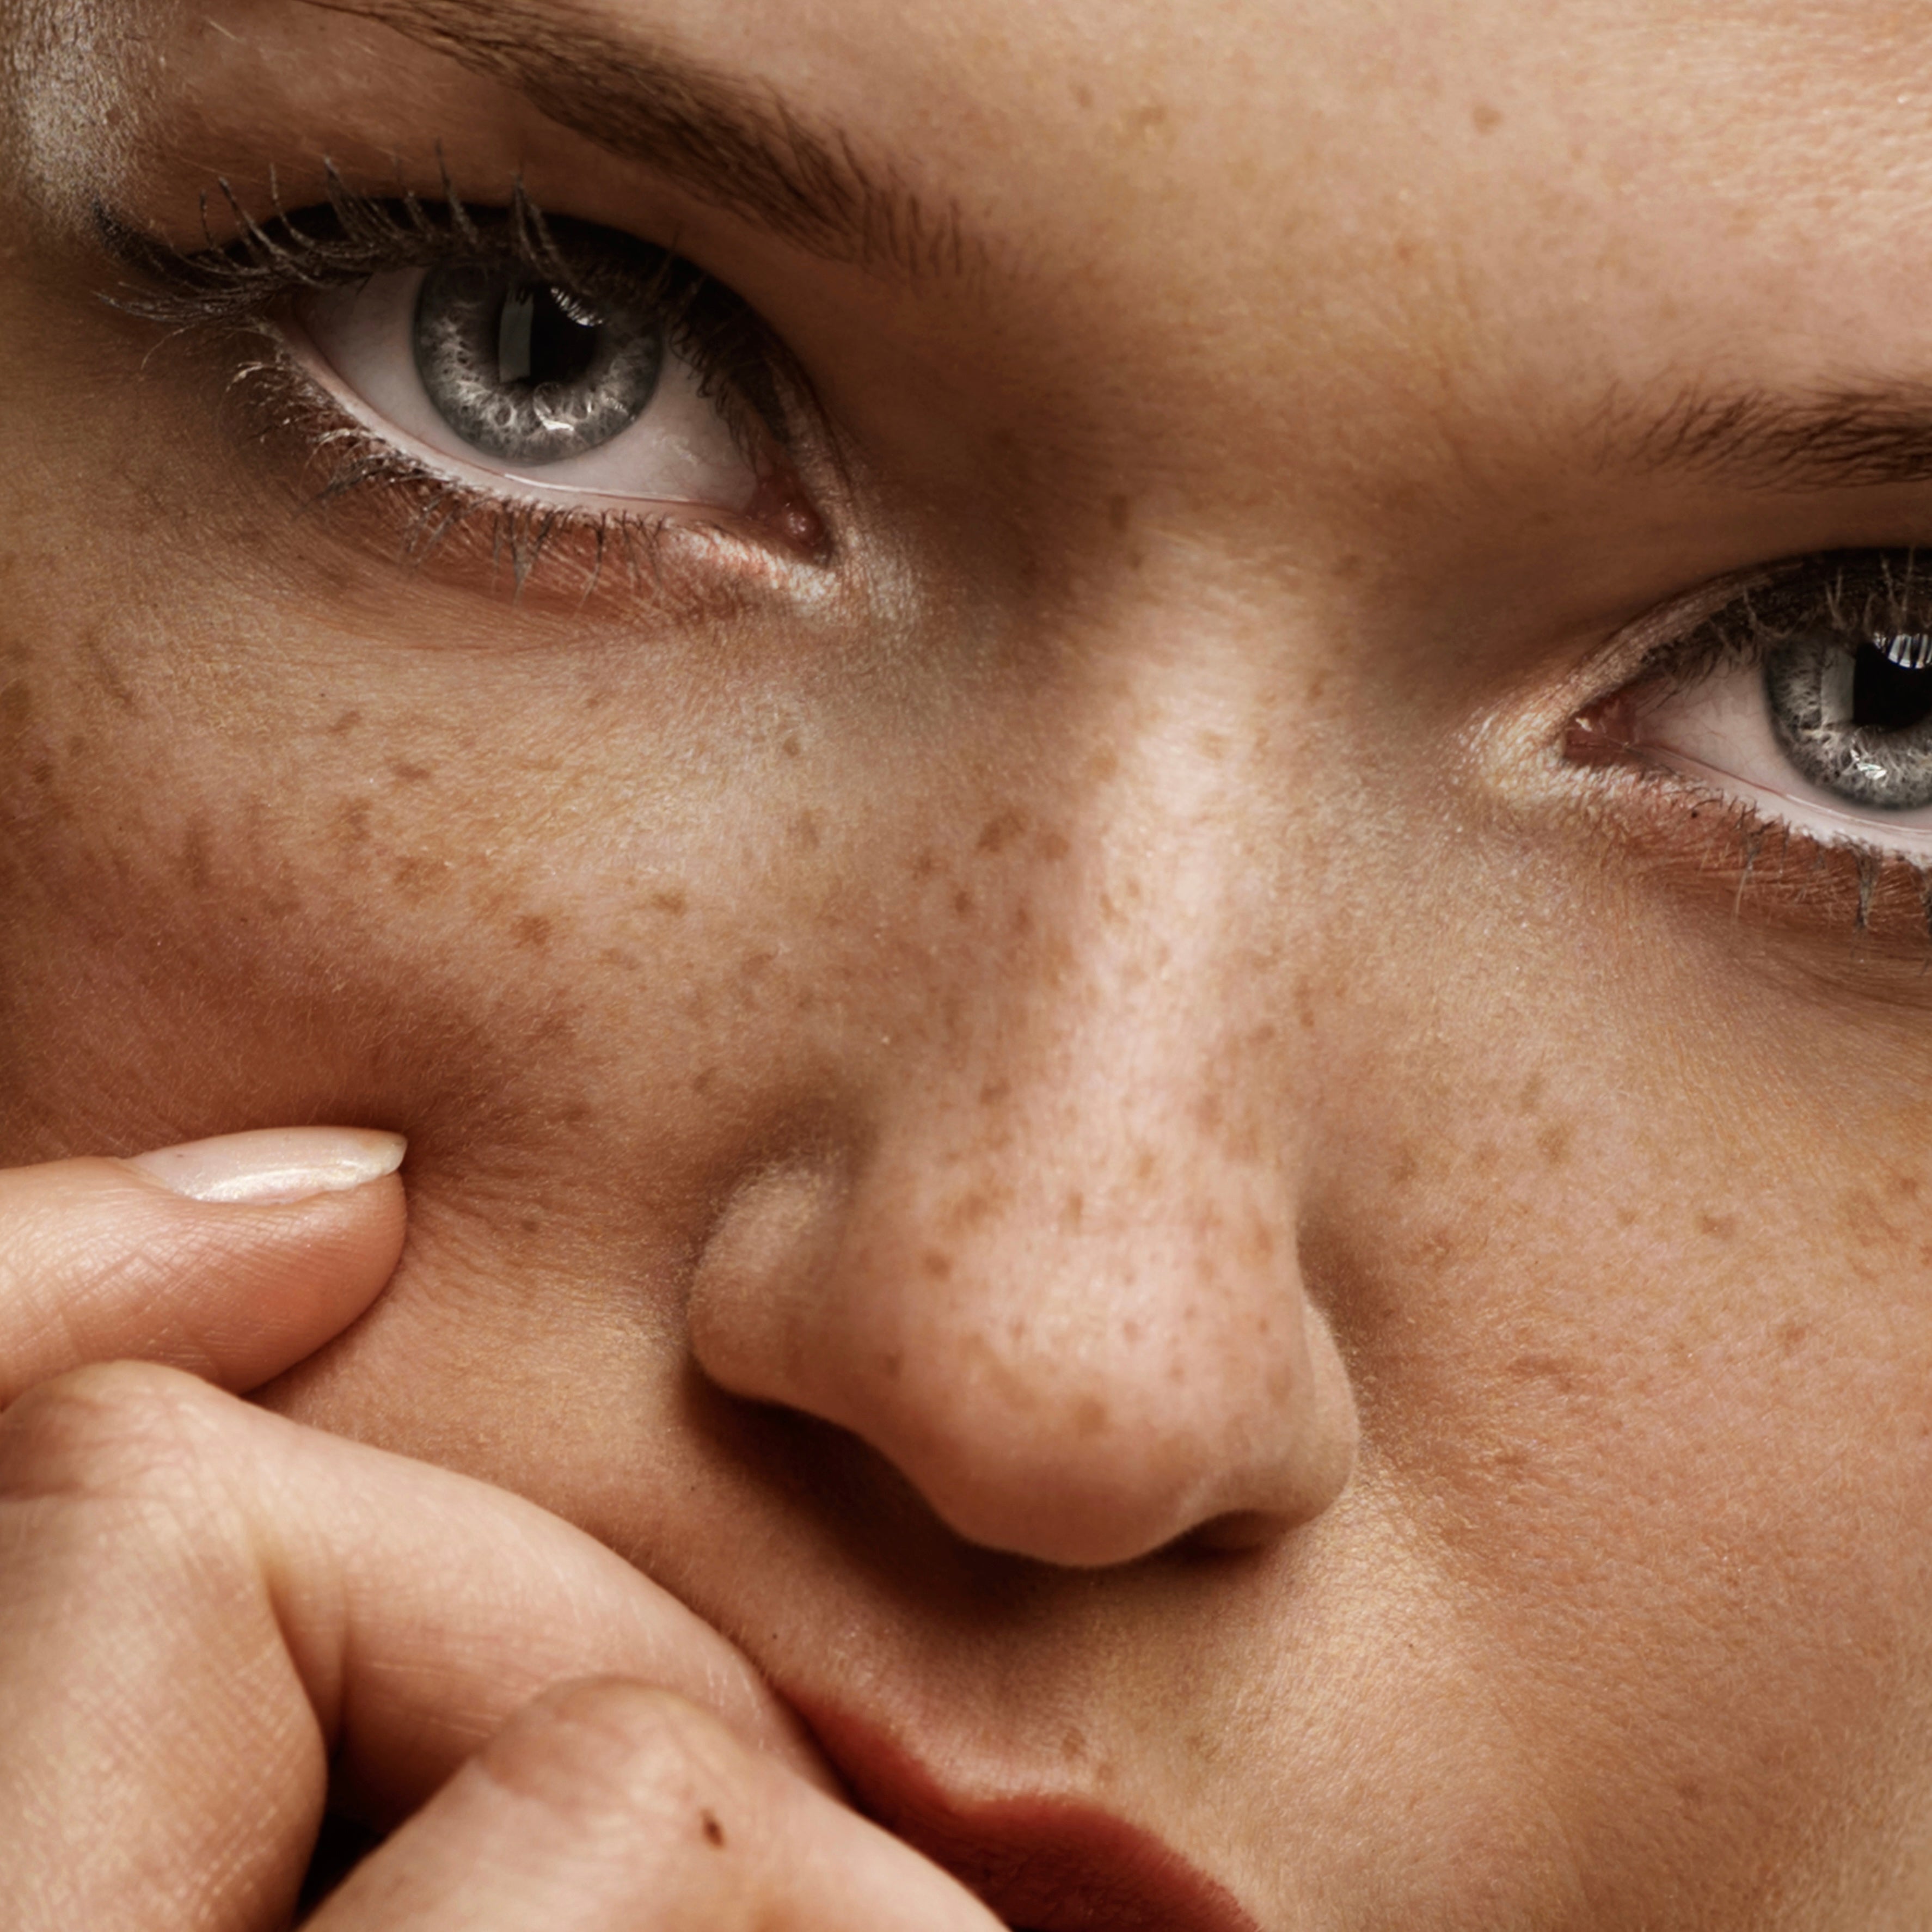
1858 436
731 144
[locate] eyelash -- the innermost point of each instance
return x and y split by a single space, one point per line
1852 592
237 287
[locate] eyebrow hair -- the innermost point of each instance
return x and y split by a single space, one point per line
729 143
1856 437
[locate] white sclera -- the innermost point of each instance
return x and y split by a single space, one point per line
1720 730
678 452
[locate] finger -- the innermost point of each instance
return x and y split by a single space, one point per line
232 1258
611 1806
201 1602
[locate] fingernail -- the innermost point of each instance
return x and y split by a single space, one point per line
274 1164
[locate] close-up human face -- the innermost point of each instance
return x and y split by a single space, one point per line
1133 807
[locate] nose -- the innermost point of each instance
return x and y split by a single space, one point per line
1059 1290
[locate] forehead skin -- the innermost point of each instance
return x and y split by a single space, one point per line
1139 893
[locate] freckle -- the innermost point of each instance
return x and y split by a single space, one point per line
1554 1141
1135 558
757 962
353 824
936 1264
1110 912
962 904
993 1092
1051 847
893 1363
1144 1164
1022 919
1090 1416
17 703
1718 1227
1317 684
1073 1211
105 675
1083 96
414 877
346 724
1487 119
1212 746
1791 1334
1074 1744
529 1224
531 928
409 774
804 831
925 864
1531 1095
1131 1331
1304 1005
671 900
1406 1166
1486 1157
714 1832
789 745
1120 509
1000 831
79 747
1556 1369
194 862
1906 1186
700 1082
1104 764
970 1208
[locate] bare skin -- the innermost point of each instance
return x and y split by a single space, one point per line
1086 1191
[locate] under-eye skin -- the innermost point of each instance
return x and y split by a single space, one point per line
1799 712
552 380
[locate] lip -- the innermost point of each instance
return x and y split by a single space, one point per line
1043 1863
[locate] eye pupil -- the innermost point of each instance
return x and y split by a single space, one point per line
1888 695
538 340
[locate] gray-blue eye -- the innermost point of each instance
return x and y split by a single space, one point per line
529 372
1856 719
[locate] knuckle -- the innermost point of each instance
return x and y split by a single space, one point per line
119 1429
612 1748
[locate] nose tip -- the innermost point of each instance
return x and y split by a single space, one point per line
1082 1390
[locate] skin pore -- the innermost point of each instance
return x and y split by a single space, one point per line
1044 1093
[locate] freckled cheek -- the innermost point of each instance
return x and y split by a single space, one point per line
364 908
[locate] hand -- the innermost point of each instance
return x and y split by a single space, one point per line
203 1607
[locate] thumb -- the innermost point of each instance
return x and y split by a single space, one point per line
232 1258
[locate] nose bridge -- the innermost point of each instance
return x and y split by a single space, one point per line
1061 1293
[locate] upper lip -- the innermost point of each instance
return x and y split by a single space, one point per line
1044 1863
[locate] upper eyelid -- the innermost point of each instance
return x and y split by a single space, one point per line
1746 612
238 280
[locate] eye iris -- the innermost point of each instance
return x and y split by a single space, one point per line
1857 721
528 372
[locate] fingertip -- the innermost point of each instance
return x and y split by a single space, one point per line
273 1166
